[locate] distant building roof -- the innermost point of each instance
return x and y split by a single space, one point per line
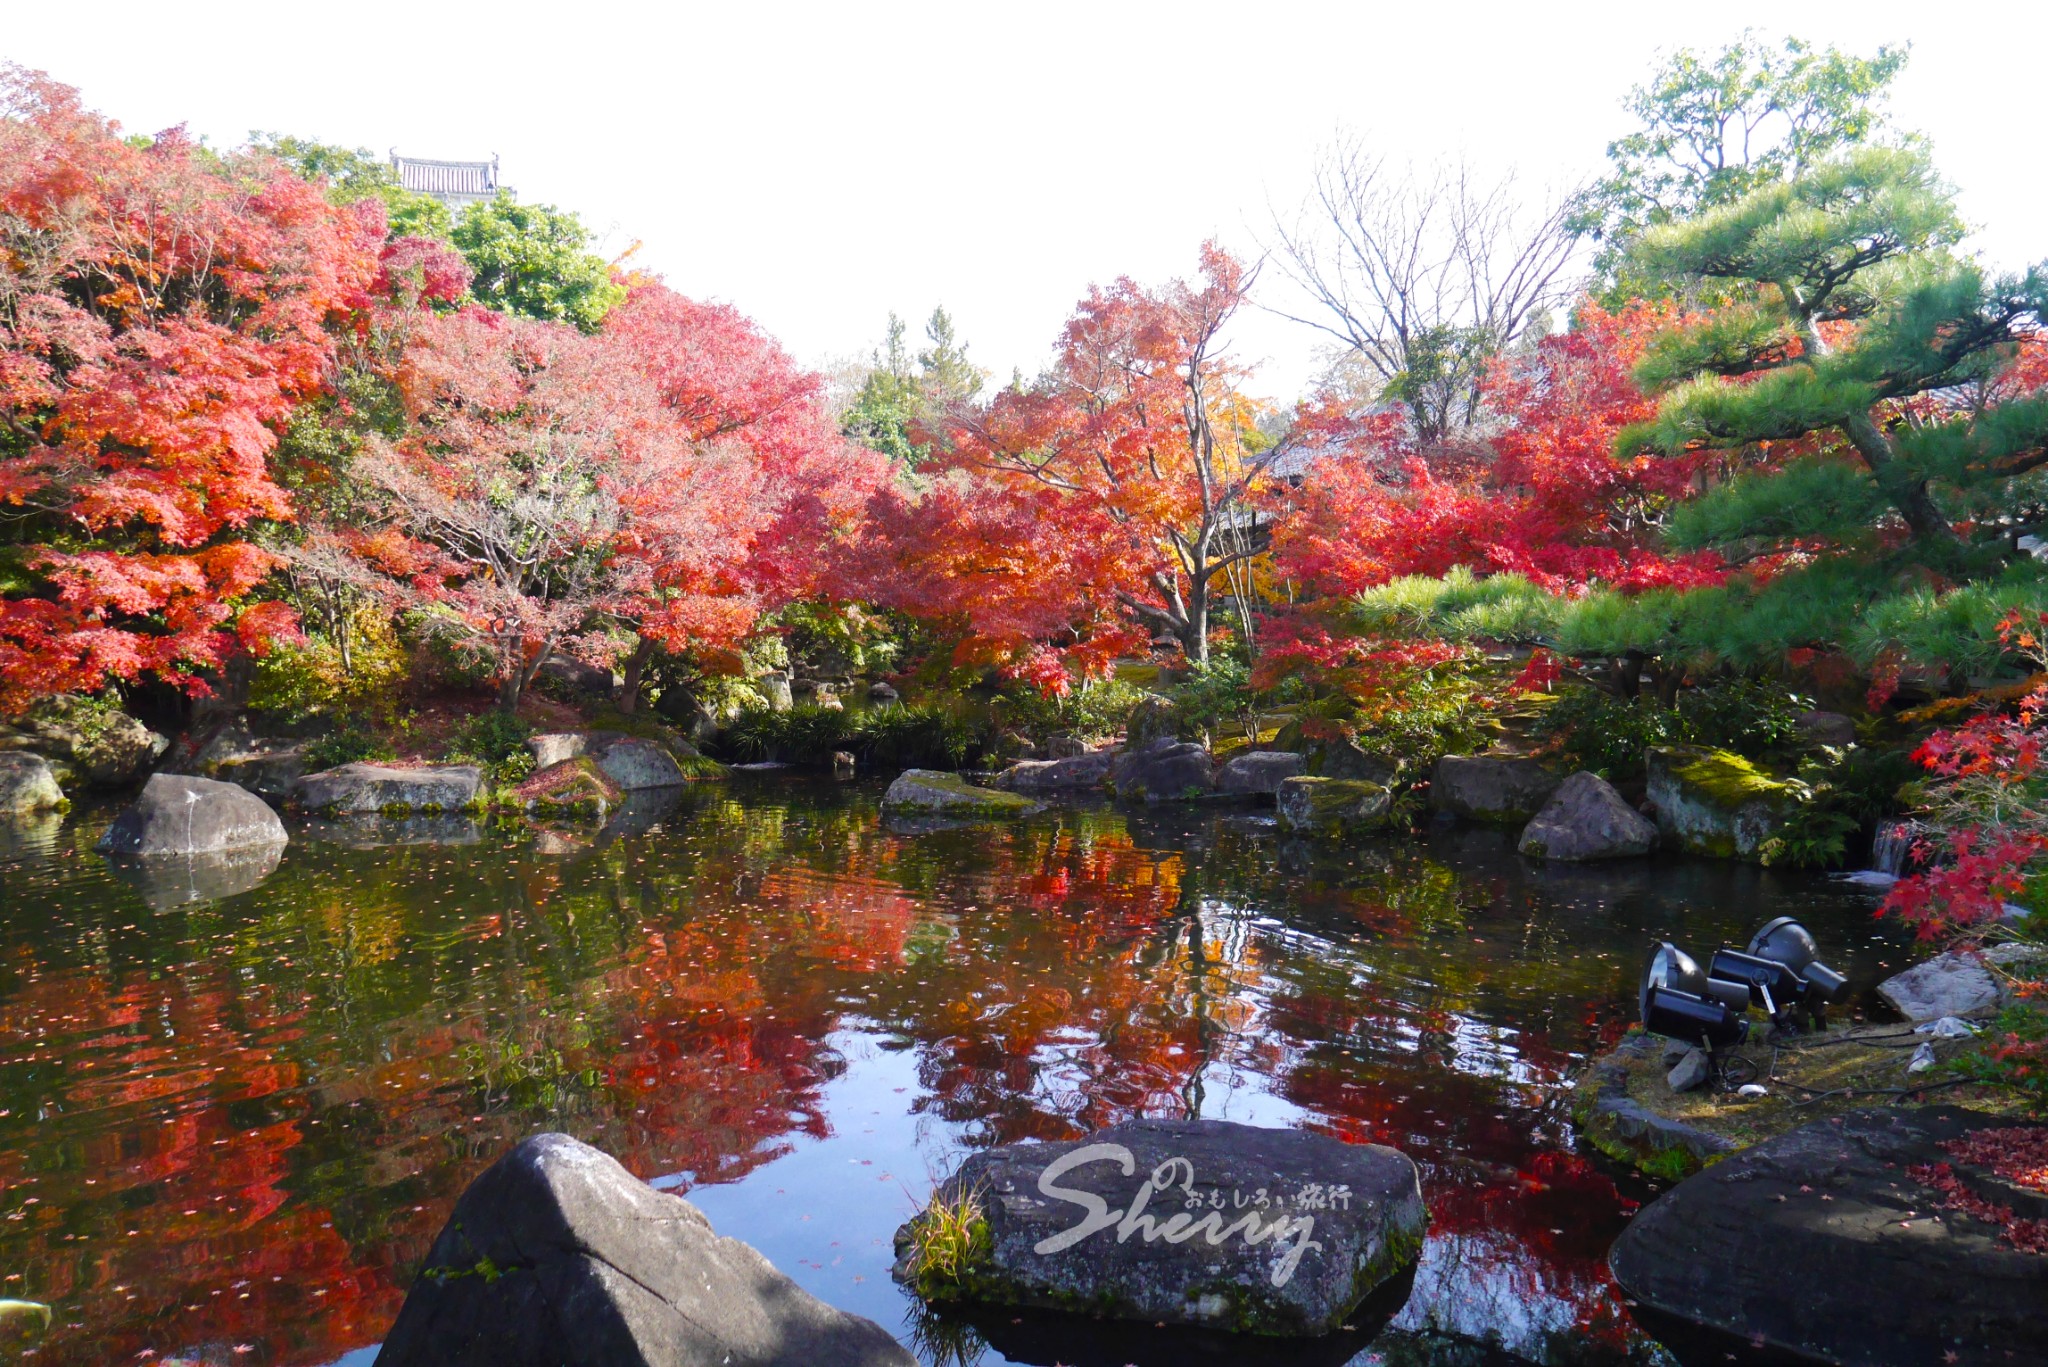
454 183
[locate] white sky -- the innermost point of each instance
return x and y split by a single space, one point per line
818 165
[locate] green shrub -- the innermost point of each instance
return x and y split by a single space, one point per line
497 741
350 744
1093 710
1749 716
297 679
1215 692
1608 734
917 735
1603 733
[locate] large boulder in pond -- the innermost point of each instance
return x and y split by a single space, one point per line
1086 773
393 789
27 784
178 814
1828 1242
1585 820
1163 770
1203 1222
1258 773
934 792
558 1257
1715 802
1332 807
1507 789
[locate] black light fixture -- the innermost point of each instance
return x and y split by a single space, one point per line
1680 1002
1787 942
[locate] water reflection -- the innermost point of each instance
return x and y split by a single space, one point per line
229 1128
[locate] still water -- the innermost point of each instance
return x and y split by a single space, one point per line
233 1117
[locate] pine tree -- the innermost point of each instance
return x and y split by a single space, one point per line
1853 328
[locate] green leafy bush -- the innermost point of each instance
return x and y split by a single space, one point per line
1093 710
918 735
497 741
1216 692
349 744
1608 734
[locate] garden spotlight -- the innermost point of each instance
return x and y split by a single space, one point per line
1682 1003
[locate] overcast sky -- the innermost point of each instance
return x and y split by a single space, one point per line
821 165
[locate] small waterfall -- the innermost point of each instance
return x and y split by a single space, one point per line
1891 853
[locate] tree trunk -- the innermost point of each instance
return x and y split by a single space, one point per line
636 670
1910 497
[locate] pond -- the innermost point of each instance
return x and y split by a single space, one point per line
232 1121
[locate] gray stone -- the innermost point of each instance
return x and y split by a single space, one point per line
1826 728
1347 759
1690 1073
1958 983
568 675
879 691
108 749
774 686
231 740
392 788
1332 807
1080 774
178 814
1065 746
1163 770
1258 772
272 771
1585 820
1822 1244
1714 803
550 748
1151 719
558 1257
635 764
1622 1127
26 784
1508 789
934 791
1180 1200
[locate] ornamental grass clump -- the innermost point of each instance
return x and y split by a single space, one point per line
948 1239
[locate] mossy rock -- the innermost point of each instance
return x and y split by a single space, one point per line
936 792
577 786
1716 803
1624 1106
1332 807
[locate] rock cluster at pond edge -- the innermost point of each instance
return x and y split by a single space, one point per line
558 1257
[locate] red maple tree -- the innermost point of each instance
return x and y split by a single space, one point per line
161 311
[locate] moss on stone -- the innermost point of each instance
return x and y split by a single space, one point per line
1732 781
1332 807
955 796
